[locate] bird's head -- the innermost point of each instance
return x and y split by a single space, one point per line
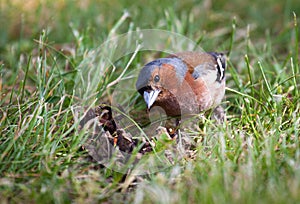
159 77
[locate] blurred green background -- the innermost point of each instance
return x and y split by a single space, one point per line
21 22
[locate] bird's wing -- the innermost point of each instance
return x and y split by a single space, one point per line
208 66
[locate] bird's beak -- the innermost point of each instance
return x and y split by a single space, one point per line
150 97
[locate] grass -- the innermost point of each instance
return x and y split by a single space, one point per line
253 158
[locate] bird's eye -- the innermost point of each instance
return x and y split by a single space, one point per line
156 78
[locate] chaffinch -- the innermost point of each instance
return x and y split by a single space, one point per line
185 83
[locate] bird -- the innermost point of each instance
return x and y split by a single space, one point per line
185 83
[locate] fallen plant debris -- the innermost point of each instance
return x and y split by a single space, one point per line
111 145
